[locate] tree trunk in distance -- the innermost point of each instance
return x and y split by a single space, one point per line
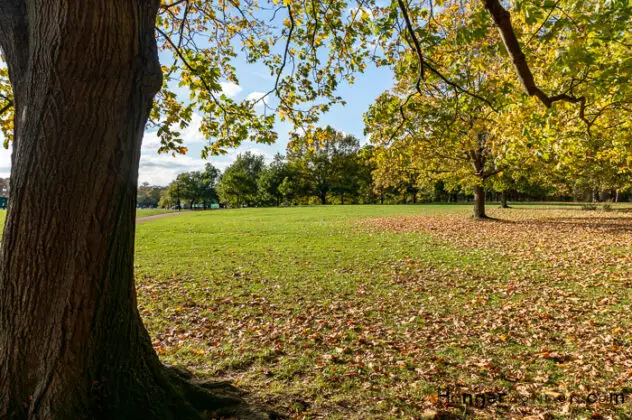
479 202
503 200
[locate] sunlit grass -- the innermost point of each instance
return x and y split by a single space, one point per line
315 314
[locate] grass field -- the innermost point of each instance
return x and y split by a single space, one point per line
365 311
151 212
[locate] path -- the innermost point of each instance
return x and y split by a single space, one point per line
155 216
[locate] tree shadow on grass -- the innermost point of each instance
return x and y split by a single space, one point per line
221 399
615 225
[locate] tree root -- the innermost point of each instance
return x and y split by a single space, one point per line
216 399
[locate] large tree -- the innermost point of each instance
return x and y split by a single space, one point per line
440 133
238 185
270 178
149 195
456 110
327 161
196 187
71 341
83 76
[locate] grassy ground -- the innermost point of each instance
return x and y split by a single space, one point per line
365 311
151 212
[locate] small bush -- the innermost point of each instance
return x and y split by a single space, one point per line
607 207
589 207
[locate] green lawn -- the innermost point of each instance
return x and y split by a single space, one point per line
151 212
324 312
365 311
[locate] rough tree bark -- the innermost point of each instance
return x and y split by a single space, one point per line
72 344
479 202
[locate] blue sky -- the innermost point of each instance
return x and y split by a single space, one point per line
254 79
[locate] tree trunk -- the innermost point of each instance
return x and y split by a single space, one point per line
72 344
503 200
323 198
342 199
479 202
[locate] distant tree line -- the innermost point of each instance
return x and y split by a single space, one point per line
331 167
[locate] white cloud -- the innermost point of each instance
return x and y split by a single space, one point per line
162 169
151 142
5 159
190 135
255 96
230 89
252 148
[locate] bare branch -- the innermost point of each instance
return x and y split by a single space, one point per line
275 89
287 49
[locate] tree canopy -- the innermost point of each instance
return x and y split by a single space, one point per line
469 119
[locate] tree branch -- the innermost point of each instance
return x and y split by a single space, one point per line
6 107
286 52
176 50
14 38
502 19
416 45
415 41
546 19
175 3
